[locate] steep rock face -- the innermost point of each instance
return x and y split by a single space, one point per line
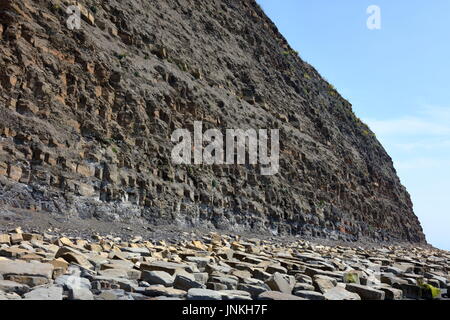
87 115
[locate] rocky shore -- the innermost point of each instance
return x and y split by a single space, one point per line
52 266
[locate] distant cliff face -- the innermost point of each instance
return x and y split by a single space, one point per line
87 117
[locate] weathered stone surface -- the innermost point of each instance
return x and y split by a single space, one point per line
45 293
140 251
156 291
391 279
168 267
201 277
261 274
60 264
187 281
324 283
210 268
339 293
410 291
72 282
203 294
28 280
276 295
318 272
73 256
13 252
303 278
158 277
121 273
303 287
254 289
440 279
365 292
65 242
235 295
309 295
80 293
113 294
391 293
16 238
200 261
229 282
276 269
20 268
9 296
5 239
216 286
279 282
32 237
11 286
117 264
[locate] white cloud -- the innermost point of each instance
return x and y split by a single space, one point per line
422 145
421 163
419 141
436 112
428 121
408 126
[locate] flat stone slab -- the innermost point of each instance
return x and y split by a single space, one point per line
169 267
186 282
235 295
309 295
71 282
275 295
338 293
45 293
365 292
80 293
34 269
12 286
203 294
158 291
158 277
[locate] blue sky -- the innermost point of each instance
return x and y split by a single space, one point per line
397 79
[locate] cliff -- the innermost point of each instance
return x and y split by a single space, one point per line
87 117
